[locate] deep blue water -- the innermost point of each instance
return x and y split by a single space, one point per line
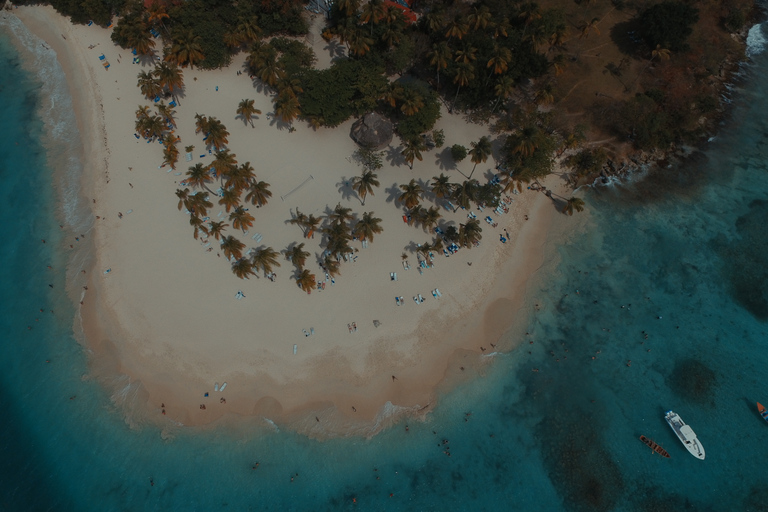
680 256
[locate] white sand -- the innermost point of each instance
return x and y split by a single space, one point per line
166 314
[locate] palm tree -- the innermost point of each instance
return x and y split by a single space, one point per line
300 219
170 76
142 112
465 73
223 163
269 69
479 17
467 54
246 110
431 217
503 89
332 266
149 85
441 186
232 247
240 177
297 255
367 226
480 152
410 195
241 219
411 100
201 124
216 229
525 141
417 214
364 184
661 53
545 96
465 192
439 57
199 225
591 26
306 281
183 196
372 12
167 113
258 193
529 13
243 268
574 203
500 59
229 199
185 49
200 204
287 107
249 30
217 133
359 42
198 177
457 28
311 224
265 258
412 148
340 215
470 232
170 155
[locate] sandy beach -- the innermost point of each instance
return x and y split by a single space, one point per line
161 309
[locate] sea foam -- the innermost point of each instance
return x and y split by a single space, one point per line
756 40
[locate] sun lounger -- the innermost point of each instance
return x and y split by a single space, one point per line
421 299
257 237
90 23
102 57
216 386
397 301
437 290
489 220
223 386
108 271
434 294
392 276
405 265
416 299
294 349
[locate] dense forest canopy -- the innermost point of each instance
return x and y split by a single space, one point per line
519 65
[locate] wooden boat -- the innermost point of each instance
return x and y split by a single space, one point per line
763 411
658 449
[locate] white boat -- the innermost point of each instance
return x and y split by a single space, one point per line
686 434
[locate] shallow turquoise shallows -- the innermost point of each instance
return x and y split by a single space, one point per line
667 289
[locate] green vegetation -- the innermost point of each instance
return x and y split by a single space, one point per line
668 25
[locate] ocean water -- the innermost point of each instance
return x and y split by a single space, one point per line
665 284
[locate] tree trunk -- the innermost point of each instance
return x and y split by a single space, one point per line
454 100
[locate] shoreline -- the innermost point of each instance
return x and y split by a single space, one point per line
423 358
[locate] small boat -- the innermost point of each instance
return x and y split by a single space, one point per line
763 411
658 449
686 434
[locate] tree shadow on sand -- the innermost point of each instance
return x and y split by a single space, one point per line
335 50
394 156
393 193
445 161
345 189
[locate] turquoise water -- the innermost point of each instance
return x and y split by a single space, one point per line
684 253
